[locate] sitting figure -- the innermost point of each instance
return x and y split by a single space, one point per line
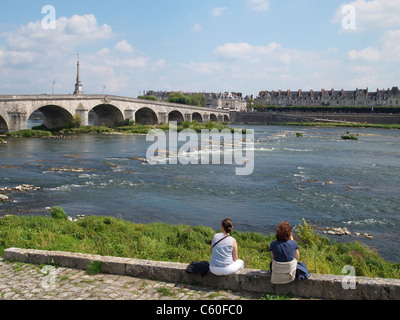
224 258
285 253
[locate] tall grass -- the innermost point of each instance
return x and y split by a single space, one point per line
181 243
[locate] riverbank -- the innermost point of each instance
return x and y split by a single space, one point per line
109 236
127 128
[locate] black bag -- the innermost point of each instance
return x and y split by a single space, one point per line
199 267
302 272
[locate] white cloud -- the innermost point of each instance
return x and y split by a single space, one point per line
124 46
196 28
245 50
37 56
386 50
219 11
250 68
369 54
372 14
69 32
160 63
259 5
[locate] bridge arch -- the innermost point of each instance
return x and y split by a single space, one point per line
146 116
106 115
176 116
3 125
55 117
197 117
213 117
226 119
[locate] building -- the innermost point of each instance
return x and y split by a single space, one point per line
232 101
342 98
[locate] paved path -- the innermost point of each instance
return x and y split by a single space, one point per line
20 281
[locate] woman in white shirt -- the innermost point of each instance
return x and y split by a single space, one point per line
224 258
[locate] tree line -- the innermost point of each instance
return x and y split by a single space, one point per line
194 99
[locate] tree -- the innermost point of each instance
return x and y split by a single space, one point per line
153 98
198 99
178 97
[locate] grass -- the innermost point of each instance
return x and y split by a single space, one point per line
124 128
181 243
30 134
94 268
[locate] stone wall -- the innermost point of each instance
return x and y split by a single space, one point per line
318 286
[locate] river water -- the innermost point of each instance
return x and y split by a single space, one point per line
328 181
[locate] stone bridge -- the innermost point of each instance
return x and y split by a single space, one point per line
106 110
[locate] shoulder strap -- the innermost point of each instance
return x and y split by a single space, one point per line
220 241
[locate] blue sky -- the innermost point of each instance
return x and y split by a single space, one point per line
245 46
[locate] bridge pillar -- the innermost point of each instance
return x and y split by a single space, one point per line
163 117
84 114
17 121
206 118
189 117
130 115
220 118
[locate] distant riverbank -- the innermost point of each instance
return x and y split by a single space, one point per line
109 236
363 120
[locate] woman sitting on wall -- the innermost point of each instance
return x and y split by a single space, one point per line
224 258
285 253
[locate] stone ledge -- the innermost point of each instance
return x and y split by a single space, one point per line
318 286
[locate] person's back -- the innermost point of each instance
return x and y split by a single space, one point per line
284 252
222 253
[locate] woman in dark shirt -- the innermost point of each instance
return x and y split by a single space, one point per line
285 249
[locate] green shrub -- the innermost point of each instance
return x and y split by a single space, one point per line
58 213
349 137
75 122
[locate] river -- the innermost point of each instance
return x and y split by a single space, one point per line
327 181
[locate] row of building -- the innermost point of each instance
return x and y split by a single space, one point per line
235 101
334 98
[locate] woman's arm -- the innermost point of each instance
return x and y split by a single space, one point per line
297 254
235 251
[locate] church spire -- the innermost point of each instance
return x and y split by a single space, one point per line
78 85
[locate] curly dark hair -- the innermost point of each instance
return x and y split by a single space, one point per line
284 232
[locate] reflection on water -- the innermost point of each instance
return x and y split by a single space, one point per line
318 177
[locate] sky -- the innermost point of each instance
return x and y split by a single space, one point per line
127 47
